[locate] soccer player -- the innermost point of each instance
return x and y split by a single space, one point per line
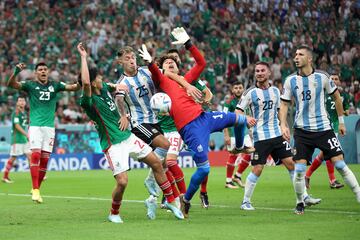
118 144
193 124
312 127
334 120
43 95
204 99
237 90
135 105
264 101
19 137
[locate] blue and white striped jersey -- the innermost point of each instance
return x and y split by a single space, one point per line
264 105
141 89
310 94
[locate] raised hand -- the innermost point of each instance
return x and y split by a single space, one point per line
18 68
180 35
144 54
81 50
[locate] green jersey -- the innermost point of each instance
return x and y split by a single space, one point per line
101 109
43 100
21 119
330 108
230 106
166 122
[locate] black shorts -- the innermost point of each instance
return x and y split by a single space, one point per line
277 147
306 142
147 132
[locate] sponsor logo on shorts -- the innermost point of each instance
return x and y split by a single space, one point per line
256 156
294 151
154 130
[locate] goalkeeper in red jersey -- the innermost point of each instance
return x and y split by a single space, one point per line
193 124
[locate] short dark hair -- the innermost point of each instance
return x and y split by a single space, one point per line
263 63
167 56
306 47
40 64
236 83
123 50
92 73
173 50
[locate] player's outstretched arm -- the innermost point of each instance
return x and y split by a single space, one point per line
72 87
340 111
85 77
183 38
156 75
282 117
190 89
13 83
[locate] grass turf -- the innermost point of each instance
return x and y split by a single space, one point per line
76 205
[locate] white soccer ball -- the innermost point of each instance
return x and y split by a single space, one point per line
160 103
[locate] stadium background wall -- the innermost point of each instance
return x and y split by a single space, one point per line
88 156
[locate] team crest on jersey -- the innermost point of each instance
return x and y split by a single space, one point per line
200 148
51 89
37 88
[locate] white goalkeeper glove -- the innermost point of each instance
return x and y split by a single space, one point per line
144 54
180 35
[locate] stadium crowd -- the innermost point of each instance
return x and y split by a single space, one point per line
232 34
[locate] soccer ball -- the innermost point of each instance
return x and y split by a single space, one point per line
160 103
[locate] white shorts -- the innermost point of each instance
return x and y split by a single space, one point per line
118 155
247 142
176 143
42 138
19 149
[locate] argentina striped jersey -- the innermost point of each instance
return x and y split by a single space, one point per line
310 94
264 105
141 89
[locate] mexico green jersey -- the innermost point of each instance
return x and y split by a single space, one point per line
166 122
102 110
42 100
21 119
330 108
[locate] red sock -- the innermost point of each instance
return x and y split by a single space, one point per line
115 206
8 168
43 166
230 165
314 165
244 163
172 182
34 169
167 191
331 170
178 174
204 185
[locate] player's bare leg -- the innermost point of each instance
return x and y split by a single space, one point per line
117 196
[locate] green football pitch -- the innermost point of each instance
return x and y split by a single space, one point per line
76 205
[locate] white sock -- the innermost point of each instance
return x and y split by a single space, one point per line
250 186
299 182
228 180
350 179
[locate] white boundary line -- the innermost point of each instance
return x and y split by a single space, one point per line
216 206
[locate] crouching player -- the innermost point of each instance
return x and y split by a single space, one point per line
118 145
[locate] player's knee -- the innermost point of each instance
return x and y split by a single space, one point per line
300 167
122 180
204 170
339 165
